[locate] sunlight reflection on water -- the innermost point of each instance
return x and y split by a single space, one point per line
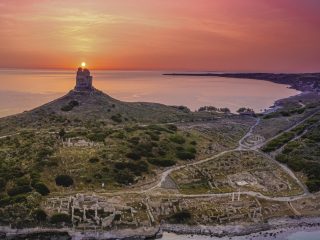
25 89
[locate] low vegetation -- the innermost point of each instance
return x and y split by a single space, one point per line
302 155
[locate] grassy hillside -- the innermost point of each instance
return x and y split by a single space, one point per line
95 108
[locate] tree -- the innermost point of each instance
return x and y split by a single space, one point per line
64 180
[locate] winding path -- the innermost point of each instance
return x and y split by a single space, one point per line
241 147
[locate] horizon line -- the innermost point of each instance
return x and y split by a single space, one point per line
169 71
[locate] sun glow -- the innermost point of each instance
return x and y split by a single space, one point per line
83 64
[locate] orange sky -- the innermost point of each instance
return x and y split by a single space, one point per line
225 35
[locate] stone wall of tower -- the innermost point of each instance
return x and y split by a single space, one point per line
83 80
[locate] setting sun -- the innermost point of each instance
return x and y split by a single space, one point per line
83 64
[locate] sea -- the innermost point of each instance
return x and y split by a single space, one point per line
22 90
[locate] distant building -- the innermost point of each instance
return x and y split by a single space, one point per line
84 80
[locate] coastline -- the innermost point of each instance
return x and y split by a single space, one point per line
279 228
77 234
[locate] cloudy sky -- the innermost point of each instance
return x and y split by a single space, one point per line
221 35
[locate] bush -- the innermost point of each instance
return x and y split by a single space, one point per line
66 108
178 139
138 167
12 200
3 184
285 114
192 150
64 180
116 118
135 167
172 127
185 155
124 177
94 160
69 106
42 189
143 149
19 190
97 137
74 103
154 135
60 218
133 155
180 217
278 142
313 185
194 143
162 162
39 215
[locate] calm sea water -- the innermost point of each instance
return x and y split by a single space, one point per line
25 89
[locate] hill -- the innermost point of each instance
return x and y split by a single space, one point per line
91 107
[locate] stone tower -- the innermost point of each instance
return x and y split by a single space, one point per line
84 80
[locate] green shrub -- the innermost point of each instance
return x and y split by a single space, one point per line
64 180
138 167
60 218
39 215
3 184
180 217
296 164
278 142
162 162
12 200
172 127
185 155
22 181
116 118
313 185
74 103
285 113
124 177
192 150
42 189
133 155
194 143
17 190
177 139
97 136
135 167
154 136
94 160
134 140
143 149
69 106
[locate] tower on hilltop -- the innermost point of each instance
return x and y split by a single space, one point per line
83 80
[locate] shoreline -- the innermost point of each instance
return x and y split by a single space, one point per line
298 81
277 229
